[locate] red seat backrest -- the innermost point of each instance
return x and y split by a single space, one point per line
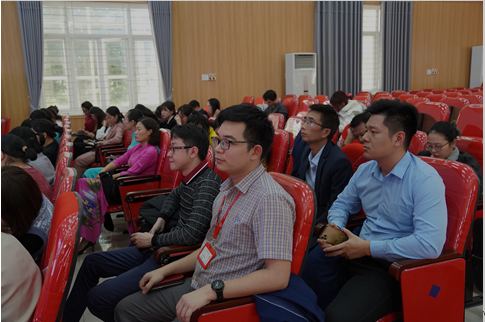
473 98
436 97
258 101
457 102
59 259
322 98
424 93
279 151
278 120
453 94
289 96
414 92
459 88
418 142
165 141
470 120
127 138
461 196
293 125
304 97
414 101
305 207
437 91
386 96
404 97
67 182
306 103
64 161
448 90
438 111
364 100
353 151
464 91
396 94
210 157
471 145
291 105
248 99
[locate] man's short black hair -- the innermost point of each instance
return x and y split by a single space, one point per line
194 103
269 95
328 118
358 119
259 129
398 116
192 135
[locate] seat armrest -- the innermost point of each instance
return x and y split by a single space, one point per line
131 180
399 266
165 255
109 146
106 152
144 195
220 305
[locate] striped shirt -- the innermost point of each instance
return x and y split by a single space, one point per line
259 226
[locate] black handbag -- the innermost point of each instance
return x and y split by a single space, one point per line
110 188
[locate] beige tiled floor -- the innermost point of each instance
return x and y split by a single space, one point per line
115 240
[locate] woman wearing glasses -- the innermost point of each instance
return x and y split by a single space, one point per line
442 144
97 193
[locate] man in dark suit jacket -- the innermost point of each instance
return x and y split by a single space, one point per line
323 165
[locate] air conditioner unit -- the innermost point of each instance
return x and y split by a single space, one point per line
301 74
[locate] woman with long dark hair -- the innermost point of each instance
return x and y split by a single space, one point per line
47 130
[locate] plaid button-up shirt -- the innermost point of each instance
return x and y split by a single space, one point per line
259 226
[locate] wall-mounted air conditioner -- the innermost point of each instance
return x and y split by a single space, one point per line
301 74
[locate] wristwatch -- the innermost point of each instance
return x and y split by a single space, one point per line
218 286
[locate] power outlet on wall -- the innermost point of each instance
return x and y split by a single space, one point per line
434 71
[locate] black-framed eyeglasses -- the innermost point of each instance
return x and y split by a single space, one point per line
173 148
438 148
310 122
225 143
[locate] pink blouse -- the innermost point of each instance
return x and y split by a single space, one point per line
141 160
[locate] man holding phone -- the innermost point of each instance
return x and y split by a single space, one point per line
404 201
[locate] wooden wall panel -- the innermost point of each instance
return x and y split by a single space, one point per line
443 35
15 96
243 43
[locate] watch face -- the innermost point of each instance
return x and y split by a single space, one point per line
217 285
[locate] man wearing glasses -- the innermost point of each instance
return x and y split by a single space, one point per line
248 248
189 207
323 165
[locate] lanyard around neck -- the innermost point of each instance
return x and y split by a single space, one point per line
221 223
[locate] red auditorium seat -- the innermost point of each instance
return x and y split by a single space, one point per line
453 94
423 94
293 125
306 103
438 111
64 160
473 99
418 142
397 94
5 125
304 97
473 146
243 309
428 286
470 120
353 151
455 102
289 96
465 91
414 92
279 151
437 91
405 97
384 95
435 97
248 99
322 99
291 104
259 100
278 120
414 101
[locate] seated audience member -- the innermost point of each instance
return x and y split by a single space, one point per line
442 144
47 130
100 130
183 113
146 111
196 106
404 201
201 121
273 105
55 110
114 120
214 107
355 131
250 236
97 193
166 115
191 201
44 114
35 142
16 153
323 165
28 219
21 281
89 122
345 107
129 124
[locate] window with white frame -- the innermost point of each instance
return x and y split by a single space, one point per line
371 49
99 52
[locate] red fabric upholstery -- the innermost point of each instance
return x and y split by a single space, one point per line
459 88
306 103
453 94
428 286
404 97
414 92
473 146
5 125
259 100
304 97
418 142
66 182
435 97
278 120
473 98
414 101
305 205
438 111
353 151
470 120
457 102
384 95
248 99
289 96
279 151
64 161
427 90
450 90
293 125
291 105
423 93
59 258
322 98
437 91
364 100
398 92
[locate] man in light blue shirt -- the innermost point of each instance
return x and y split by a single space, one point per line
404 201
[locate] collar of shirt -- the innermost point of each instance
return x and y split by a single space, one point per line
315 159
399 169
245 183
198 169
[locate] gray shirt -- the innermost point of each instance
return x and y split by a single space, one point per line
44 165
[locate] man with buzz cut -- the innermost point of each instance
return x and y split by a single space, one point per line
192 201
270 99
248 248
406 217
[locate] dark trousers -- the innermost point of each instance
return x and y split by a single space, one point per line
357 290
128 265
